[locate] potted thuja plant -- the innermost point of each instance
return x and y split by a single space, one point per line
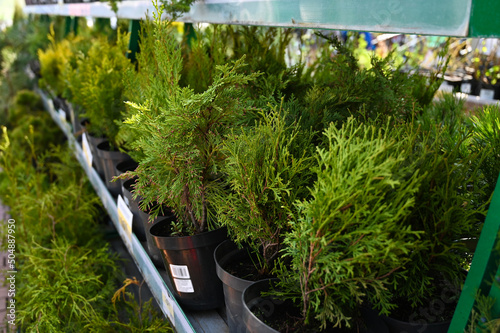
98 86
346 241
180 135
449 209
267 168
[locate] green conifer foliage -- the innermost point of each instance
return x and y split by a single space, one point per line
348 240
268 167
486 137
52 64
98 85
181 132
450 207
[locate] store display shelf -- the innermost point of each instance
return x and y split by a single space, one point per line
183 322
446 17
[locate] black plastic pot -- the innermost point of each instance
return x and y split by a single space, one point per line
267 306
110 158
152 250
397 326
190 265
252 300
233 287
122 167
137 224
497 92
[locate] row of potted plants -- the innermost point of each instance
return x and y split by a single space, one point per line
337 188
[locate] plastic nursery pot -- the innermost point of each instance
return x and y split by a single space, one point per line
153 251
122 167
253 301
267 307
137 225
109 159
233 287
190 265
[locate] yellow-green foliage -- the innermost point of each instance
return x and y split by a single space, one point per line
347 241
97 84
53 62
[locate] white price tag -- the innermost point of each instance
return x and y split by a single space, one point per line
180 271
184 285
125 217
86 149
62 115
465 88
168 304
487 94
182 279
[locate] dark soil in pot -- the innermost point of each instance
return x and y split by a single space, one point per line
267 314
109 159
190 265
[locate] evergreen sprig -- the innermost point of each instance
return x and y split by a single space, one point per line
181 131
268 168
98 86
348 240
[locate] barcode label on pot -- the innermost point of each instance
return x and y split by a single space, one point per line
184 285
180 271
86 150
125 217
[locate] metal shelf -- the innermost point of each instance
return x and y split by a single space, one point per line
445 17
203 321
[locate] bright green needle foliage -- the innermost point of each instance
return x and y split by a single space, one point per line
268 168
69 288
450 207
486 137
53 62
98 85
47 193
448 114
348 240
26 116
201 56
181 131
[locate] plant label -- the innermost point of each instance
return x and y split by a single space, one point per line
168 303
125 217
86 150
184 285
487 94
180 271
62 115
465 88
182 279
